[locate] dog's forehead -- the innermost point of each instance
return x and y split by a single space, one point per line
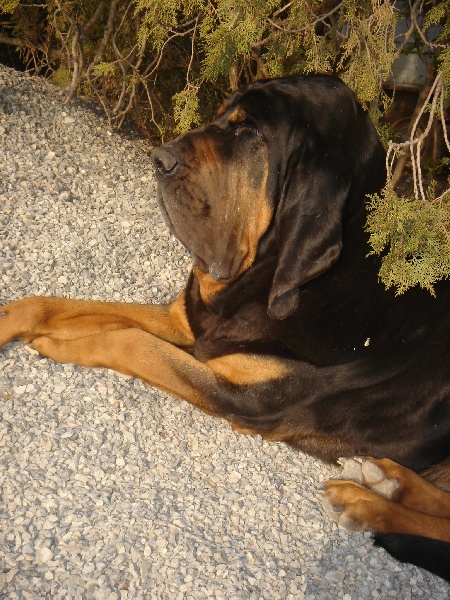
234 112
259 101
245 98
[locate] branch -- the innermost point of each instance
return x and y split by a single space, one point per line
12 41
412 26
422 35
106 35
77 57
442 111
22 43
192 49
316 21
435 91
422 101
261 67
95 17
282 9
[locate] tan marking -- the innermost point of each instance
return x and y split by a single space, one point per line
209 287
367 510
222 109
258 222
238 115
413 491
247 369
252 214
182 334
271 435
206 154
240 211
244 430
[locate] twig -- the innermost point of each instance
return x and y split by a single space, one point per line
421 34
422 101
95 17
317 20
442 112
436 92
192 49
410 30
106 35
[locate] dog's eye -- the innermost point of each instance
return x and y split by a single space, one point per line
240 126
241 129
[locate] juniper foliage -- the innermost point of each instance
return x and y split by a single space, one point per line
168 64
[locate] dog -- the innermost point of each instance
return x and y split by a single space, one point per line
283 328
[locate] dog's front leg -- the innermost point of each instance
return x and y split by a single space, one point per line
64 319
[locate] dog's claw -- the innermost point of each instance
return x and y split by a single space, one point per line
331 511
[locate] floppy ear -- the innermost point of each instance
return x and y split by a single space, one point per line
308 228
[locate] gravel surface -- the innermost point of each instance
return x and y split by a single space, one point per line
111 489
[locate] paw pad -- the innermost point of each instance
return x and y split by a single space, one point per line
367 472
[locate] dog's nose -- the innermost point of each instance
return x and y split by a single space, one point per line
163 160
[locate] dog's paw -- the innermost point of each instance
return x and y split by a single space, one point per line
20 319
380 475
356 508
10 322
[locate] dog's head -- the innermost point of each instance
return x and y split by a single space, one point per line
282 159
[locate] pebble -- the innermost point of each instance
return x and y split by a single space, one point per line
44 555
111 489
335 576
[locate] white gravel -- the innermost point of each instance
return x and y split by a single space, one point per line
111 489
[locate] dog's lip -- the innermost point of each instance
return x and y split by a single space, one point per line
200 264
216 270
165 214
229 273
222 277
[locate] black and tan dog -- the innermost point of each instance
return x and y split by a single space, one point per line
283 328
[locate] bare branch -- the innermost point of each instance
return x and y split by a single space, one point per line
316 21
95 17
442 114
11 41
422 35
77 59
281 10
418 4
106 35
435 94
422 101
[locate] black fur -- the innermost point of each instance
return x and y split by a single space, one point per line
367 373
426 553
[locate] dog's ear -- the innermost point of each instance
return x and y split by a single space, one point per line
308 227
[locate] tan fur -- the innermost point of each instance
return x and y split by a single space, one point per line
247 369
209 287
361 509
